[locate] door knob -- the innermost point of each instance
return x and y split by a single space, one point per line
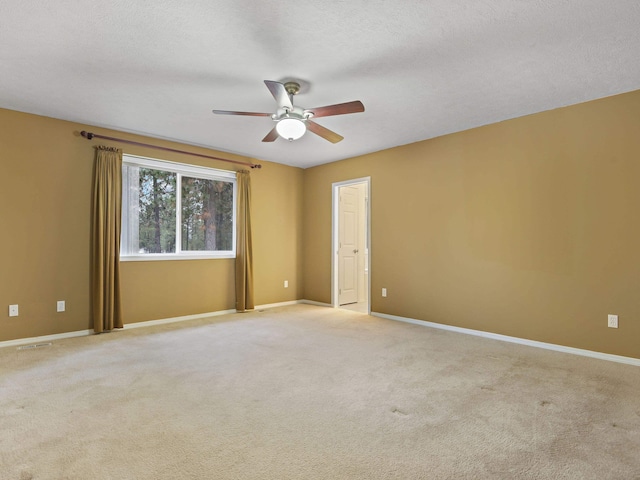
355 251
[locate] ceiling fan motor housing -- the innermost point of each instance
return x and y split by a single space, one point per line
292 88
295 112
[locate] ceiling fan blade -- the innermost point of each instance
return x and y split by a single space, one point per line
271 136
250 114
279 93
338 109
323 132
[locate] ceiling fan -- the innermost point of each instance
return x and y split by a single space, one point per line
292 121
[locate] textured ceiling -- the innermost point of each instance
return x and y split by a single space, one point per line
421 68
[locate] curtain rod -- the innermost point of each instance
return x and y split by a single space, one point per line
91 136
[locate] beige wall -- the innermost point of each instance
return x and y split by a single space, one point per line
528 227
45 198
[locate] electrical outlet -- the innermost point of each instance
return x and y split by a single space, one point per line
13 310
60 306
384 292
612 321
286 284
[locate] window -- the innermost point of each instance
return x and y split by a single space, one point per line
176 211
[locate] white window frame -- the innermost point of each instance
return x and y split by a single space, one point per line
181 169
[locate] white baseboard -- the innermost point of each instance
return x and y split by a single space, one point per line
45 338
313 302
521 341
184 318
280 304
82 333
128 326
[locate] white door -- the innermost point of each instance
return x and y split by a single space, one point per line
348 245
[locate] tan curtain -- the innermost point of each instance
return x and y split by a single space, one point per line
244 255
105 240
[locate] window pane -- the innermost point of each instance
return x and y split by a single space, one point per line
158 223
129 239
207 214
157 211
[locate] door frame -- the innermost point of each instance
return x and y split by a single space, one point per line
335 215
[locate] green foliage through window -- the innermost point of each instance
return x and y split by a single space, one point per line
157 211
207 214
176 211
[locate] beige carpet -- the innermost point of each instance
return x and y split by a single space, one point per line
307 392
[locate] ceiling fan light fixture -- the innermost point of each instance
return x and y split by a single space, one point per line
291 128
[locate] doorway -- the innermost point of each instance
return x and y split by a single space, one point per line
351 233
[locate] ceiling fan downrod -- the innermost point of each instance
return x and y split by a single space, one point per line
292 88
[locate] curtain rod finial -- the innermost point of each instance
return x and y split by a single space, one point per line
256 166
87 135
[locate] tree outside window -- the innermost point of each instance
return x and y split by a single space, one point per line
175 210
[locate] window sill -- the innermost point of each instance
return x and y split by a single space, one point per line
150 257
